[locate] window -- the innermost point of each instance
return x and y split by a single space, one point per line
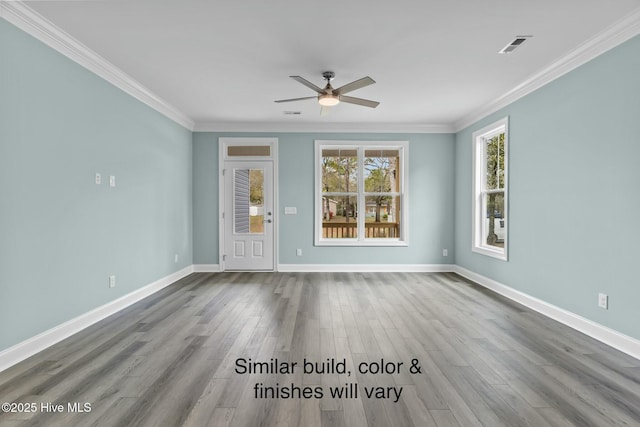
490 221
361 193
248 198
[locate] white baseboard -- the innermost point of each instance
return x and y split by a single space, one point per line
362 268
33 345
206 268
615 339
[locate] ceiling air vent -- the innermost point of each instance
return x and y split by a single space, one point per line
293 113
514 44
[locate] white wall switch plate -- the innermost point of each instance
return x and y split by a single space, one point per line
445 252
112 181
298 252
175 258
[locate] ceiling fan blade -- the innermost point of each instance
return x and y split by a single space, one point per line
359 101
296 99
307 83
365 81
324 111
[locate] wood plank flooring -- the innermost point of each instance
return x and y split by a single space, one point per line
172 359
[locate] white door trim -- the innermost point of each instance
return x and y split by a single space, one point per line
224 142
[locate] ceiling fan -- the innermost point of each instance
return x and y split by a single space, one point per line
328 97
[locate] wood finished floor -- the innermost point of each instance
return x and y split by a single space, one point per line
170 360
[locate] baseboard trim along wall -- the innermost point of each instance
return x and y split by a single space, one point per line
206 268
615 339
363 268
31 346
36 344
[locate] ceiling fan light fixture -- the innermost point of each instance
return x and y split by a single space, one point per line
328 100
328 97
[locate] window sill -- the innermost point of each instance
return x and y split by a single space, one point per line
494 253
365 243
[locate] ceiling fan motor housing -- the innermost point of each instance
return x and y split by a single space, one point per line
328 75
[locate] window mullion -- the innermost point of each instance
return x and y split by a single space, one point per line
361 198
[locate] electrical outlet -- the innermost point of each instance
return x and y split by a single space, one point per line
98 179
445 252
298 252
603 301
112 281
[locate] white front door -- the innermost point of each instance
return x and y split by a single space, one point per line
248 215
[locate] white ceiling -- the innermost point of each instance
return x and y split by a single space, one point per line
434 61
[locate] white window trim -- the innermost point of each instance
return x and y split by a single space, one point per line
477 237
403 147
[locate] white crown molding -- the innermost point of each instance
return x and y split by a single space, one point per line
321 127
615 339
605 40
32 23
364 268
33 345
37 26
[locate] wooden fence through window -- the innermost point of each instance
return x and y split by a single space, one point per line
342 230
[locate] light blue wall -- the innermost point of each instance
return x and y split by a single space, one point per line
574 200
574 192
431 178
205 199
61 235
